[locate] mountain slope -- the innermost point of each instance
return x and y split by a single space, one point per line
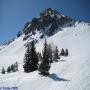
70 73
47 23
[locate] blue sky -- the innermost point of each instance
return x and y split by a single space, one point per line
15 13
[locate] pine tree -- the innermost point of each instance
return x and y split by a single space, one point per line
50 53
31 59
62 52
56 54
9 69
45 64
16 66
66 52
3 70
13 68
26 65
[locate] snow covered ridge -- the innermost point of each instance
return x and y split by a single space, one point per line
2 46
70 73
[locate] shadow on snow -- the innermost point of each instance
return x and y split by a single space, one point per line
54 77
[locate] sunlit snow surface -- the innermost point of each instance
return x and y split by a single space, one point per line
70 73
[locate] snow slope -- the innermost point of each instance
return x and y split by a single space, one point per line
70 73
2 46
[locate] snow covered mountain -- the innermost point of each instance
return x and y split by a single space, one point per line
70 73
47 23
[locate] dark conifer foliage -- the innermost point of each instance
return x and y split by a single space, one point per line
66 52
62 52
9 69
16 66
13 68
45 64
56 54
3 70
31 58
26 65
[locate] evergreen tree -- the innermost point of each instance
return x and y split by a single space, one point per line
56 54
3 70
45 64
66 52
31 58
9 69
13 68
26 65
62 52
16 66
50 53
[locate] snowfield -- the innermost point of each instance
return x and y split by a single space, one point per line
70 73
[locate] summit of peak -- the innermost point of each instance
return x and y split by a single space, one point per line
50 11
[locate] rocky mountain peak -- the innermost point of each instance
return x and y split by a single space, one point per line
47 22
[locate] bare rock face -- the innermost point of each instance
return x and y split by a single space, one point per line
47 23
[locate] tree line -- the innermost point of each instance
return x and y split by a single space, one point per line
12 68
41 61
38 61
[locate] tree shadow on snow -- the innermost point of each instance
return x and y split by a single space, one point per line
62 60
56 78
